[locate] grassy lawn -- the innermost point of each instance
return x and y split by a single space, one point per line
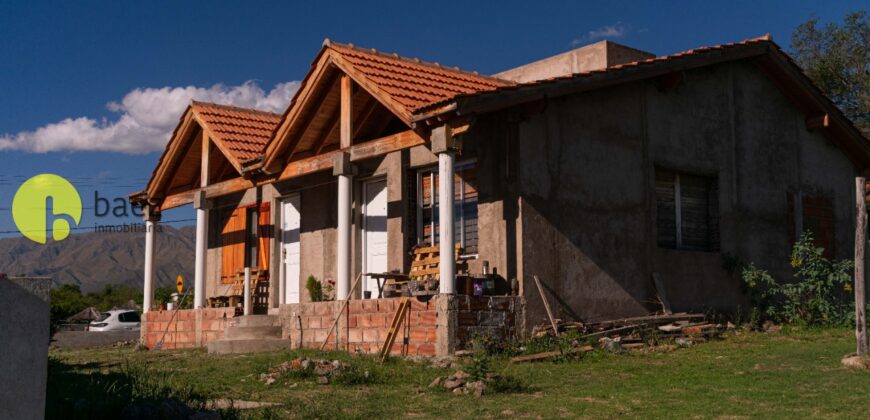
794 373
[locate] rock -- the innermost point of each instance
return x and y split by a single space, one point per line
683 342
856 362
730 326
457 391
322 380
770 327
460 375
304 363
435 382
453 383
463 353
611 345
477 387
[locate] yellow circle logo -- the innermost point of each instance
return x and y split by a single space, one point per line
46 200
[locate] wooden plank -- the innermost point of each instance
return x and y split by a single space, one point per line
660 289
546 305
860 241
203 169
549 354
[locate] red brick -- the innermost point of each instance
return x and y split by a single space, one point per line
379 320
427 318
370 335
354 335
355 306
426 349
353 321
364 321
314 322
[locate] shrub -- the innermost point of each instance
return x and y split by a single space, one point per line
819 296
315 289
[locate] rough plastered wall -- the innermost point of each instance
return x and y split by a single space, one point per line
24 328
317 246
587 199
185 329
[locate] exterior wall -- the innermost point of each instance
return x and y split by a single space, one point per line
188 328
586 190
24 326
435 328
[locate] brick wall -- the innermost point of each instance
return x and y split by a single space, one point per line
306 324
365 329
189 327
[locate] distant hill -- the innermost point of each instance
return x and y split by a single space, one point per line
93 259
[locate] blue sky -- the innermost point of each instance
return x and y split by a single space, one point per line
89 75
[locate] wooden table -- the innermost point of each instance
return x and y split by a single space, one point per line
381 279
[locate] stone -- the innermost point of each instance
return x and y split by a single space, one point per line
611 345
463 353
452 383
460 375
435 382
457 391
322 380
477 387
856 362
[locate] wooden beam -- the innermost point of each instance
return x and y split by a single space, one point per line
818 121
321 162
346 111
860 241
206 146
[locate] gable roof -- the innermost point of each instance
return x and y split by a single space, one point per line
402 85
242 132
411 82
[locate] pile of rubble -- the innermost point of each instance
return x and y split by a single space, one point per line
461 383
321 368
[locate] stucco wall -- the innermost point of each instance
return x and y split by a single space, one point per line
587 197
24 326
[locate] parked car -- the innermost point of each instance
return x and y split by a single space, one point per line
117 320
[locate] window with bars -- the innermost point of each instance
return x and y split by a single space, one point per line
424 202
687 211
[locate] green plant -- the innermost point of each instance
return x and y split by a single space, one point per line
819 296
315 289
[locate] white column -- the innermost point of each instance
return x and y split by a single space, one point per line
247 295
446 221
201 249
148 287
342 283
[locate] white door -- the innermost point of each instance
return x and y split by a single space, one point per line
374 235
290 224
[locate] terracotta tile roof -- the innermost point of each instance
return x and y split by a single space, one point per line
410 82
612 69
244 132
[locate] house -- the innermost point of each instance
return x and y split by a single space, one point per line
596 170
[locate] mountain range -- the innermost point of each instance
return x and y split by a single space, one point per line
95 259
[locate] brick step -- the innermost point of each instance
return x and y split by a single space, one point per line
248 346
244 332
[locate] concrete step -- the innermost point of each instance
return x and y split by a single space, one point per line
258 321
240 332
247 346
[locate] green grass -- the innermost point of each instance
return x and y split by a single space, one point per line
796 373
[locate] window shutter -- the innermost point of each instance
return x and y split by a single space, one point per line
666 215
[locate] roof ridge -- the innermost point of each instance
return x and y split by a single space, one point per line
395 56
207 104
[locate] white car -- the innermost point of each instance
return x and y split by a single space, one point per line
118 320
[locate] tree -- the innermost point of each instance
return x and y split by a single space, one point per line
837 59
66 300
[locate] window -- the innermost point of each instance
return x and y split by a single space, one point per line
128 317
425 206
687 211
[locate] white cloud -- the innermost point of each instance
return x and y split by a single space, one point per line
617 30
146 119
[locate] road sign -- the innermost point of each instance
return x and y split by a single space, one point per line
179 283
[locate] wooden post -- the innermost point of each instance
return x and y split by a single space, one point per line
860 241
546 305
